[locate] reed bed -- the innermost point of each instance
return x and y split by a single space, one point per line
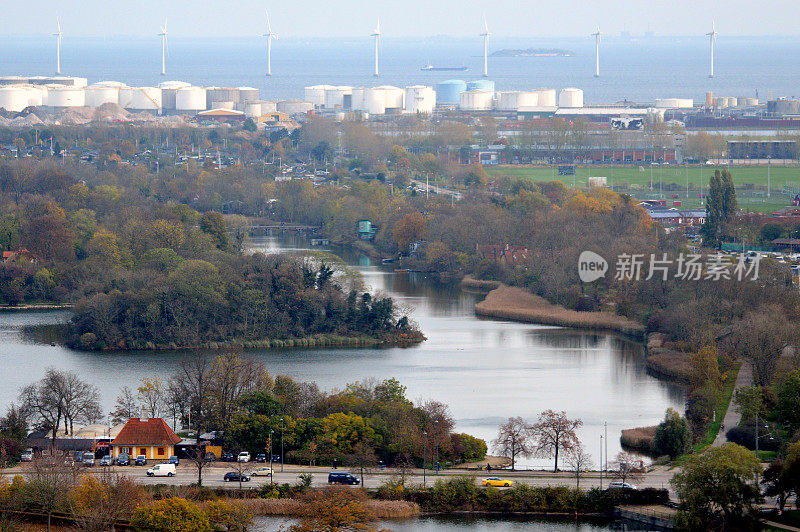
376 509
640 438
671 365
511 303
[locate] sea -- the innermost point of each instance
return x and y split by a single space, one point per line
637 69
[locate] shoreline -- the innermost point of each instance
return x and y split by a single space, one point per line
44 307
517 304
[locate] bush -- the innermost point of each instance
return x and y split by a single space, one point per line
230 516
169 515
672 436
745 435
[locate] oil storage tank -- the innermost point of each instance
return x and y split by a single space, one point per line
375 100
190 99
481 85
294 107
393 96
247 94
570 97
420 99
97 95
316 94
66 97
13 99
476 100
334 96
546 97
145 99
513 100
449 92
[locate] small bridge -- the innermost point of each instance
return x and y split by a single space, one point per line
267 227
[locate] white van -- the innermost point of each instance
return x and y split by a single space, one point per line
161 470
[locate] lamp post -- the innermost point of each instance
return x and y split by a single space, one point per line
601 461
271 480
424 456
436 443
281 445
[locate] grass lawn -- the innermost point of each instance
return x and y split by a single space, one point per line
638 179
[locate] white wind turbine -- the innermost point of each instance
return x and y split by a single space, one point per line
269 35
377 35
58 36
485 36
712 37
596 36
163 36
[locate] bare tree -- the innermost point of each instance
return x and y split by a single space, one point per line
513 439
197 455
554 433
579 460
150 394
41 405
81 400
192 383
231 377
627 467
363 458
98 502
125 408
50 480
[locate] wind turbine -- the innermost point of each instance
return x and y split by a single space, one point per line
712 37
485 36
58 36
377 35
163 36
269 35
596 36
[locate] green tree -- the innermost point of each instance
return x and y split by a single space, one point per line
720 207
788 405
673 436
213 224
749 401
249 125
717 490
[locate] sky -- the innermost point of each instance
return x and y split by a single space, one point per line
406 18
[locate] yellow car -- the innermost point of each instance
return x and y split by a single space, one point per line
496 482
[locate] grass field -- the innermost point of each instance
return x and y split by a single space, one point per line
669 180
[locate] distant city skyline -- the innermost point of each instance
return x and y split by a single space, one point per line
410 18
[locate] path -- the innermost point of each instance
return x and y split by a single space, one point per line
732 416
781 526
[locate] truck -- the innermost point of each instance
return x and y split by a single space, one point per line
161 470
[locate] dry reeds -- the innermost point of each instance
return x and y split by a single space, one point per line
391 509
671 365
376 509
516 304
640 438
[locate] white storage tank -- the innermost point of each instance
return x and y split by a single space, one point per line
190 99
751 102
334 97
721 102
35 95
294 107
173 85
222 94
733 102
268 107
420 99
375 100
545 97
125 96
570 98
394 96
222 105
66 97
145 99
252 109
476 100
316 94
247 94
513 100
677 103
358 99
98 95
13 99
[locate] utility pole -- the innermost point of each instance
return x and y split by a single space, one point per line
436 443
271 479
424 457
605 428
601 461
281 445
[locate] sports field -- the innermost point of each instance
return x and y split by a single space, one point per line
671 180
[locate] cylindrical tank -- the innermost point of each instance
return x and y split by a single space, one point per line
145 99
13 99
394 96
221 94
252 109
375 100
751 102
513 100
294 107
316 94
709 99
97 95
66 97
35 95
334 96
546 97
720 102
125 96
267 107
420 99
173 85
117 84
357 99
190 99
247 94
222 105
481 85
449 92
476 100
570 97
733 102
674 103
784 107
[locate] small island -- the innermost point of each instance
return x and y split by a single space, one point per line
533 52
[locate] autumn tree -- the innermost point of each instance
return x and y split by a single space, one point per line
410 228
150 395
513 440
125 408
554 433
49 482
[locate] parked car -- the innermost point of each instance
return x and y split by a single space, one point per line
618 485
343 478
140 460
233 476
211 457
261 458
107 460
276 458
77 456
161 470
497 482
26 456
243 457
262 472
123 459
88 459
228 456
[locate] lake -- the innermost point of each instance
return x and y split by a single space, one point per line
485 370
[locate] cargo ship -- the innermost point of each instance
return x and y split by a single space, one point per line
441 69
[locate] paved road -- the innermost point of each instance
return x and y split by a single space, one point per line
732 416
437 190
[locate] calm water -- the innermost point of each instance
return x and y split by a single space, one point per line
484 370
636 69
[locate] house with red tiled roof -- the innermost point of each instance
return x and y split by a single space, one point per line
508 254
150 437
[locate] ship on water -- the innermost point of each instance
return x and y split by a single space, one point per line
440 69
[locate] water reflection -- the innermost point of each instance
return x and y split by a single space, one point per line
486 370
